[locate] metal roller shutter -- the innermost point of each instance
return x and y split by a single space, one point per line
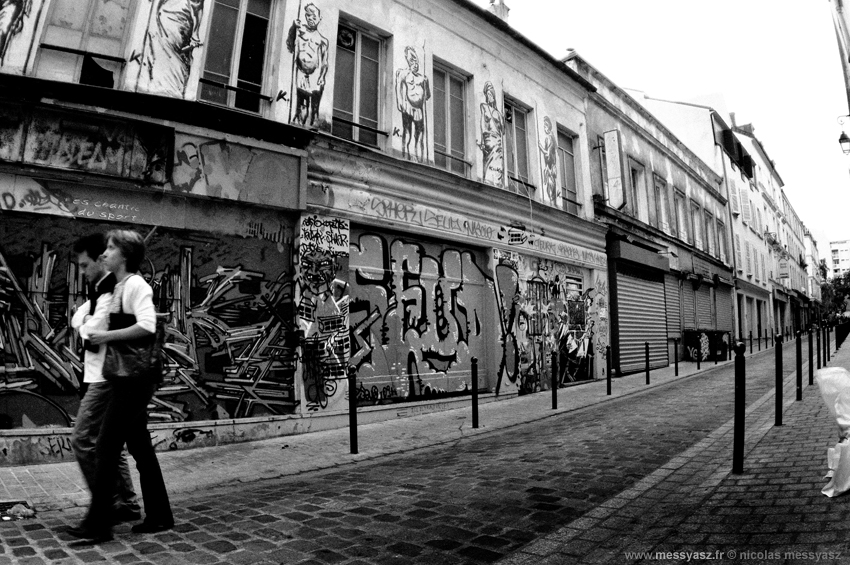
725 319
703 295
642 318
688 306
674 306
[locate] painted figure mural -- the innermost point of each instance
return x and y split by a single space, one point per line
549 160
231 341
12 13
170 43
322 299
492 137
412 90
309 50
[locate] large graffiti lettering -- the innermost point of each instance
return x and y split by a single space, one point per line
322 299
417 316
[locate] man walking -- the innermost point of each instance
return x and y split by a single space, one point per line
92 315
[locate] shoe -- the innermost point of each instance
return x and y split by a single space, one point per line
126 514
82 532
151 527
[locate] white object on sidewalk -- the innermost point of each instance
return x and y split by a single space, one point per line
834 384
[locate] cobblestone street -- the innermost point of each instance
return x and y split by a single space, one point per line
476 500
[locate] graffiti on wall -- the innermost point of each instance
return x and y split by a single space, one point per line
412 91
417 317
309 48
170 42
231 171
549 162
231 341
543 307
492 137
323 309
599 312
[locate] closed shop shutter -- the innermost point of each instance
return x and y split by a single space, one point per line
643 318
688 306
674 305
703 295
723 294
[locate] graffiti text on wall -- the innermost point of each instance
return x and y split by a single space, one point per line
322 302
92 144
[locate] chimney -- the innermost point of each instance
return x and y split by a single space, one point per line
732 117
499 8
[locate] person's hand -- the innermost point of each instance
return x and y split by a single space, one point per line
98 336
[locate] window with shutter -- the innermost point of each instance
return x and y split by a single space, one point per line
749 258
756 257
745 204
739 262
734 200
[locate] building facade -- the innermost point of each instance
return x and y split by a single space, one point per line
669 269
399 191
839 258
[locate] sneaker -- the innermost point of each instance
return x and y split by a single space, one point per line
151 527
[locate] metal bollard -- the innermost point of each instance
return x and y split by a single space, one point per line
799 348
828 343
751 342
811 361
608 367
646 350
759 340
778 420
740 409
554 380
676 356
729 349
772 340
699 356
352 408
817 336
475 392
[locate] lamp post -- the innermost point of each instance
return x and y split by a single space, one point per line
844 141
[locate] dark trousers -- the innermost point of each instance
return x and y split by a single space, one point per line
126 421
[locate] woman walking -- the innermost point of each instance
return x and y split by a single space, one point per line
126 415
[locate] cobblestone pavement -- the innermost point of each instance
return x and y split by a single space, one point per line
474 501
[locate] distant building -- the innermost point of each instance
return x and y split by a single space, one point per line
839 258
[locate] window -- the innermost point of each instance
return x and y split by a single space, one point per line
603 165
721 240
356 78
84 41
637 192
516 129
235 59
696 225
449 121
662 202
682 217
567 173
710 244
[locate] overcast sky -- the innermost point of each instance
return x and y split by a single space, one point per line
775 62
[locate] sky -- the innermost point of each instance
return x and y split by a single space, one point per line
775 62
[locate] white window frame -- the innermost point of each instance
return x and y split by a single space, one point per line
516 182
571 206
359 131
233 80
450 158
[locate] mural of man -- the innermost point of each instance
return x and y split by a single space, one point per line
12 14
412 91
169 46
492 132
549 148
310 64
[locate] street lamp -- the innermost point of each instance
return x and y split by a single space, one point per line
844 141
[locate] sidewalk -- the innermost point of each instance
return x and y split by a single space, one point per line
61 485
692 509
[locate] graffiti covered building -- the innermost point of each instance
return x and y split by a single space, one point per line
322 185
669 272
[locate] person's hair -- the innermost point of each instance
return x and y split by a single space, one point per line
132 246
93 245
